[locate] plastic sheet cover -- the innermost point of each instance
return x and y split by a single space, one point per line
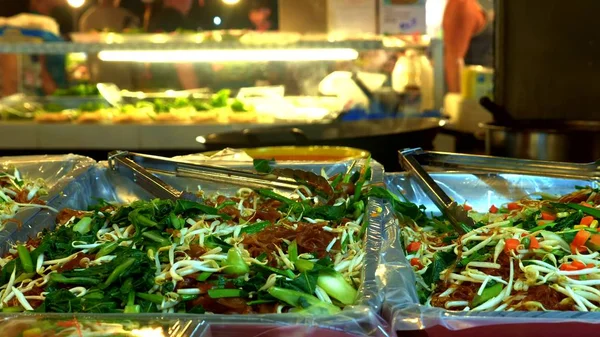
359 320
109 326
56 170
401 307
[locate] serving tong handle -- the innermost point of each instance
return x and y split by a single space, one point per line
465 162
213 173
118 160
455 213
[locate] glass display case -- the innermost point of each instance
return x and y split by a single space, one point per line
163 91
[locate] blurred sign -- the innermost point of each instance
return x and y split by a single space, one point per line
402 17
351 16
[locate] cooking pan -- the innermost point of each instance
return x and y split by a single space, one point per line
553 140
380 137
540 139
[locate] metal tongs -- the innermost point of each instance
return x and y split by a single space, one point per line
469 162
455 213
142 167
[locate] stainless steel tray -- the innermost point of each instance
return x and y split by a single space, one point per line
56 170
481 190
360 320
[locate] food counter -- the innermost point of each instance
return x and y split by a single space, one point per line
246 80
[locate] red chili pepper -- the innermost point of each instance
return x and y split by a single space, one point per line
534 243
513 206
578 264
67 324
581 238
586 220
575 249
567 267
510 244
467 207
413 247
493 209
548 216
415 262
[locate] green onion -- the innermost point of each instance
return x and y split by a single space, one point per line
336 286
226 203
587 210
84 281
24 276
300 299
106 249
293 251
131 307
336 181
145 221
83 226
255 228
186 298
156 237
224 293
487 294
119 271
154 298
526 242
304 265
260 302
287 273
12 309
203 276
25 258
235 264
176 222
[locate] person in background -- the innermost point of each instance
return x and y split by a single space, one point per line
41 74
468 38
107 15
56 9
173 15
259 15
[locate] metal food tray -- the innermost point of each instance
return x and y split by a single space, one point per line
358 320
481 190
56 170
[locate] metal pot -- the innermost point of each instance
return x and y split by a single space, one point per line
553 140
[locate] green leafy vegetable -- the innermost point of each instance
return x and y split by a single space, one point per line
263 165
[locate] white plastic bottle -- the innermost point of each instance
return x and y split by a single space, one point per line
413 76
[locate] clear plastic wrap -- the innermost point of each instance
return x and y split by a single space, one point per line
401 307
358 320
56 170
109 326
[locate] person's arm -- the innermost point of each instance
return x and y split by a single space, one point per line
10 81
462 20
48 84
187 75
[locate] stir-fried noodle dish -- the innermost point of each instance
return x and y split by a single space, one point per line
18 192
255 251
528 255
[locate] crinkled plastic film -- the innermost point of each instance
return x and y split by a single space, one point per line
110 325
56 170
401 307
361 319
